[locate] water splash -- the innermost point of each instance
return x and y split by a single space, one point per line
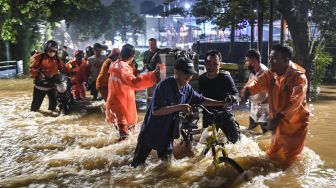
46 149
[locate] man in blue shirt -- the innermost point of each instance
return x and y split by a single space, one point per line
171 96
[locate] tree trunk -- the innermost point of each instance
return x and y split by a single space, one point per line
270 30
252 33
298 26
232 40
282 30
260 25
8 54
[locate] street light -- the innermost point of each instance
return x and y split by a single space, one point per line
187 6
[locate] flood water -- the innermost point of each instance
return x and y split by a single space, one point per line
44 149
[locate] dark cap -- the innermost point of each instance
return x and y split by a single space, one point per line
97 46
185 65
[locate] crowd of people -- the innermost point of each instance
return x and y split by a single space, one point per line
277 95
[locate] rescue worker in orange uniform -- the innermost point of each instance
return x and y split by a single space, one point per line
43 68
121 86
103 77
286 84
78 75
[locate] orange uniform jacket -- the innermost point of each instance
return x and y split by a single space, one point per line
103 77
121 95
286 95
47 65
79 76
80 71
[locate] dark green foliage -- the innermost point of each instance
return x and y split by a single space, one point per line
321 61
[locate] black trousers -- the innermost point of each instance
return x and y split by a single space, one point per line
142 151
226 123
93 89
38 96
253 124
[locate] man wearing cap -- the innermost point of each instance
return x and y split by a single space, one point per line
219 85
172 95
95 63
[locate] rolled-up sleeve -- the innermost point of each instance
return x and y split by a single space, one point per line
259 84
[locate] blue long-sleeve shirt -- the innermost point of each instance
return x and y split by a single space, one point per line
156 131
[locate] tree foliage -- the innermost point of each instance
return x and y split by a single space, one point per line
321 60
25 14
124 19
300 16
88 24
119 18
21 22
323 13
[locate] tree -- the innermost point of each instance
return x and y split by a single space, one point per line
118 18
21 20
16 13
298 14
123 19
88 24
225 14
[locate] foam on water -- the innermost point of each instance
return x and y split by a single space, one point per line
52 150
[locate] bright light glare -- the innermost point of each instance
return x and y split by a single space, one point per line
187 6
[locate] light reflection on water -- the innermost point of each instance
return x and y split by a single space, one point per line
44 149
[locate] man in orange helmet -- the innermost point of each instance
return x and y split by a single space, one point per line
43 68
78 75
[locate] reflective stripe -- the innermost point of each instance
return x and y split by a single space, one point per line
43 88
114 78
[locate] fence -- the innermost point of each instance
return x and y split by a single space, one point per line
10 69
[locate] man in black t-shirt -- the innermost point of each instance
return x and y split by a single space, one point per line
148 59
217 85
151 57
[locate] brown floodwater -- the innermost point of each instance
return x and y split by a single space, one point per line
44 149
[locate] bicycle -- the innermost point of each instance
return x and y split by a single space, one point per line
189 129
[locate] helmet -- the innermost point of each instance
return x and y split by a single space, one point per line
97 46
50 45
79 52
89 51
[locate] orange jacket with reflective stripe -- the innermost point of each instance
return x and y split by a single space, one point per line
121 95
286 95
47 65
80 72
